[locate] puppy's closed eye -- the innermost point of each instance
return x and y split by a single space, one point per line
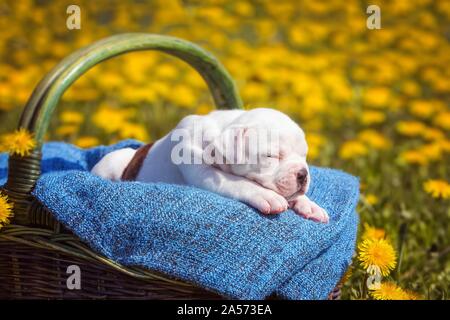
269 160
275 155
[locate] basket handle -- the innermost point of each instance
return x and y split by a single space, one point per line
220 83
24 171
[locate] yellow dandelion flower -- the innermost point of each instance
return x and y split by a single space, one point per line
378 252
431 151
315 142
388 291
244 9
134 131
373 233
204 109
422 108
374 139
111 119
72 117
372 117
353 149
411 88
298 36
183 96
437 188
5 210
433 134
413 157
443 144
20 142
443 120
86 142
166 71
254 91
377 97
371 199
410 128
67 130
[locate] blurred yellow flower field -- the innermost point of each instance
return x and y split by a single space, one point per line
375 103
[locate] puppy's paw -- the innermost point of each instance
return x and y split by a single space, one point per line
268 202
309 209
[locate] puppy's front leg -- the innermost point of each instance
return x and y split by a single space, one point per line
308 209
228 185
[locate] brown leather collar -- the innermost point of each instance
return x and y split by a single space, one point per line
132 170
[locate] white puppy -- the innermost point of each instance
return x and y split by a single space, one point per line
256 156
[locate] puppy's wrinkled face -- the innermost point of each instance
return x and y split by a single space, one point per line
268 148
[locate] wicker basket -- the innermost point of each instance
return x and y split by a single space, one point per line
35 250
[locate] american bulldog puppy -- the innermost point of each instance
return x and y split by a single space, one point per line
257 157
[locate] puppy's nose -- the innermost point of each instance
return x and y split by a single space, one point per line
302 176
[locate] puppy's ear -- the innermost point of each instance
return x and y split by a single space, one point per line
230 147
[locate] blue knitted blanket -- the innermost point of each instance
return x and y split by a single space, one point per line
198 236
